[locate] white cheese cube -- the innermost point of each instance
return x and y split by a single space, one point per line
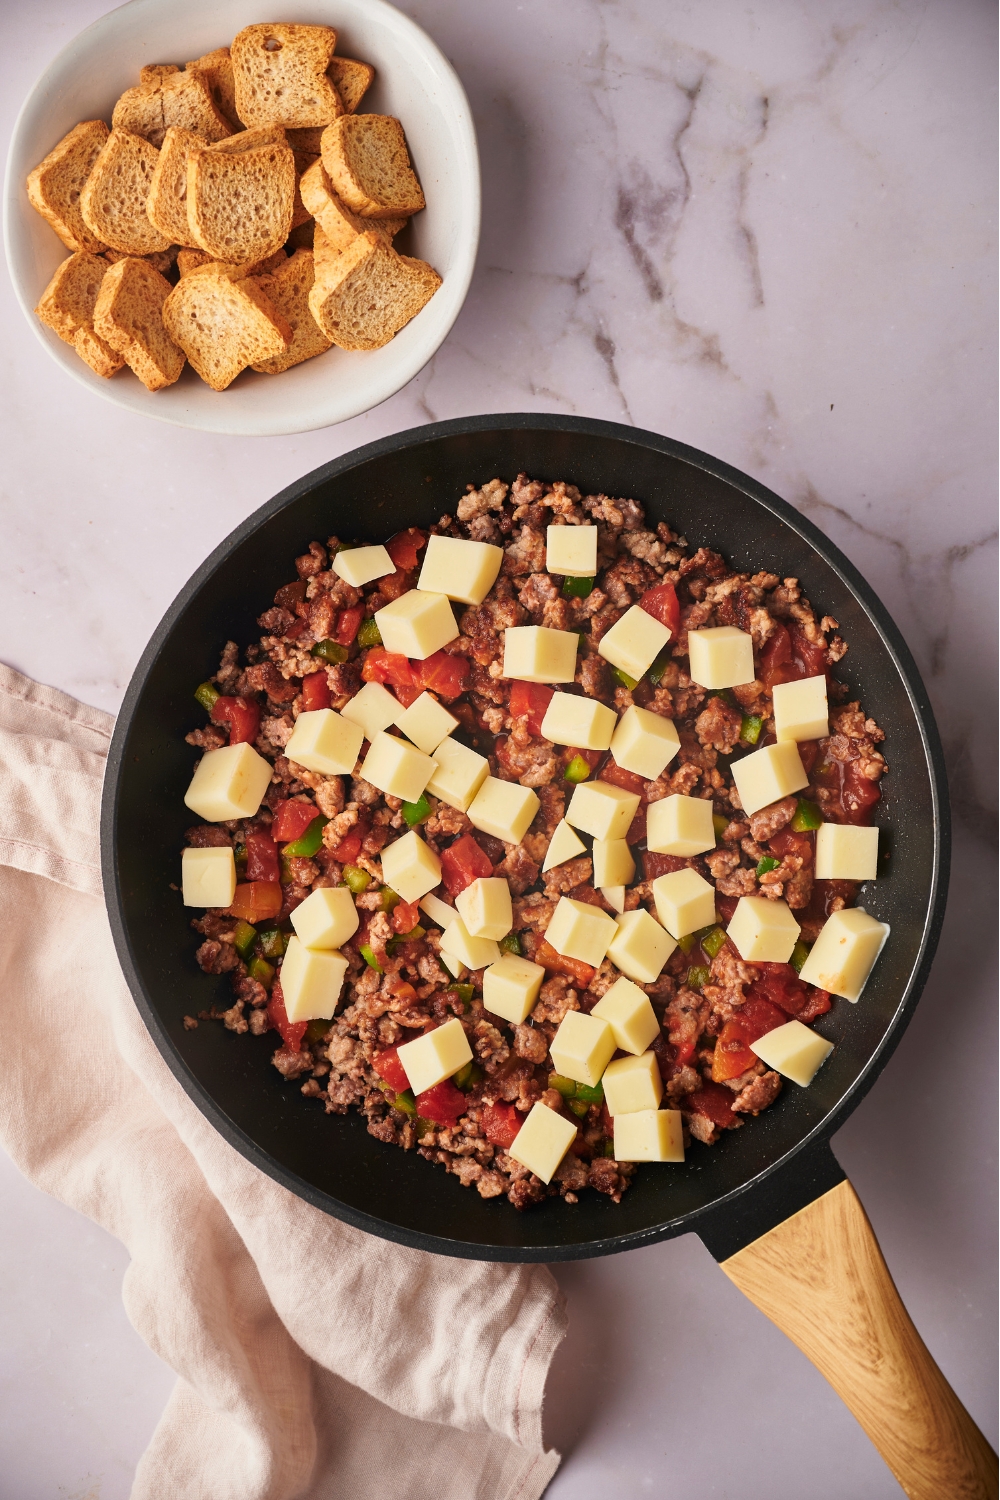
436 1055
650 1135
632 1019
579 930
426 723
582 1047
542 1141
763 931
326 918
325 741
228 783
800 709
563 845
311 982
631 1084
846 852
360 565
794 1051
474 952
511 986
485 908
583 722
613 862
640 947
208 876
463 570
614 895
396 767
417 624
644 742
503 808
844 954
720 656
439 911
633 644
680 825
684 902
410 867
602 810
454 965
768 775
374 708
459 773
534 653
571 551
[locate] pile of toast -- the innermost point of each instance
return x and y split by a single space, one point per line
239 213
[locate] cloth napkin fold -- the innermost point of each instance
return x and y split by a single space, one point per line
313 1360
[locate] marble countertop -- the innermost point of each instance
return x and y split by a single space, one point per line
764 229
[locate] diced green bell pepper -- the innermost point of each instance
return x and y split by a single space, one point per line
577 770
310 842
414 934
807 817
330 651
577 588
368 954
590 1095
389 899
767 864
720 823
346 547
356 880
317 1030
623 679
656 671
464 992
416 812
240 855
424 1127
244 937
609 1148
406 1104
578 1106
712 941
687 942
206 694
750 729
272 942
369 634
562 1085
511 944
799 955
261 971
697 975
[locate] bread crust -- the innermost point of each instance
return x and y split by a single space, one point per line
113 201
217 70
128 315
166 206
55 185
351 79
367 162
67 307
224 325
179 98
288 290
339 224
366 294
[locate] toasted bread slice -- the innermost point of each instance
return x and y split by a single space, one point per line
113 201
154 72
351 79
55 185
217 70
301 237
67 307
339 224
249 140
223 326
180 98
129 316
280 75
306 140
303 161
288 290
189 261
369 166
100 356
363 297
240 206
166 205
160 260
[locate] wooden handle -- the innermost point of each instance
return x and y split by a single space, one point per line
821 1278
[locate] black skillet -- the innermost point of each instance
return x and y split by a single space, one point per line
774 1186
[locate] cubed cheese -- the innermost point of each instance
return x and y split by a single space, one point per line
650 1135
325 741
613 862
583 722
571 551
396 767
800 709
614 895
680 825
426 723
563 845
602 810
410 867
208 876
374 708
542 1141
458 774
503 808
439 911
474 952
846 852
435 1056
763 931
720 656
640 947
768 775
579 930
632 1019
311 982
633 644
360 565
684 902
582 1047
228 783
485 908
794 1051
463 570
417 624
534 653
454 965
326 918
844 954
631 1084
511 986
644 742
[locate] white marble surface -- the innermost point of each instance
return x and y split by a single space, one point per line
763 228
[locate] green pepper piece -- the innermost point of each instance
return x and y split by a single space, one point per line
807 817
346 547
272 942
306 846
464 992
750 729
577 588
623 679
206 694
369 634
244 937
578 1106
414 934
720 823
461 1078
330 651
368 954
317 1030
609 1149
767 864
389 899
799 955
262 972
562 1085
712 941
656 671
590 1095
511 944
697 975
416 812
240 855
577 770
686 943
356 880
406 1104
424 1127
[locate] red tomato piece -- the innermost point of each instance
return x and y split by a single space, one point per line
501 1122
725 906
347 851
444 1103
636 833
241 714
291 819
662 604
629 781
262 857
387 666
256 900
315 692
808 751
732 1055
403 549
655 865
291 594
817 1004
800 844
714 1102
462 863
391 1071
762 1014
348 625
405 916
401 988
853 794
407 695
547 956
592 757
445 675
809 656
291 1032
530 701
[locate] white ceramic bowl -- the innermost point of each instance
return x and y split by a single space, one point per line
413 81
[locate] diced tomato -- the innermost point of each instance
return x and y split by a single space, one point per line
315 692
754 1019
262 857
405 916
291 819
348 625
854 795
785 841
662 604
291 594
347 851
714 1102
387 666
462 863
725 906
389 1068
671 1057
629 781
501 1122
636 833
291 1032
655 865
592 757
547 956
256 900
403 549
809 656
529 701
817 1004
401 988
408 695
443 674
444 1103
241 714
788 657
808 751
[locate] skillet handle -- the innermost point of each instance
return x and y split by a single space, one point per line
821 1278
